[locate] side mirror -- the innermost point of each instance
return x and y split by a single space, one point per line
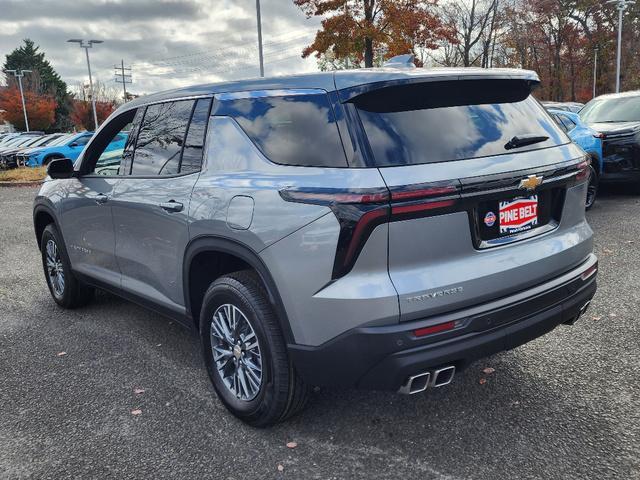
60 168
73 145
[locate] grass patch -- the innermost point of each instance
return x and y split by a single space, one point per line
24 174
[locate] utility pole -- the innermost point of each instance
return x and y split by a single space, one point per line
87 44
259 38
122 77
622 6
19 74
595 70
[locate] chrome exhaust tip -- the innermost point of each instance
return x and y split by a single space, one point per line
443 376
416 384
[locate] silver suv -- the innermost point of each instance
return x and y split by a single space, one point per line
378 229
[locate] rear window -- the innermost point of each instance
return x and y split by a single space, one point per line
292 129
445 121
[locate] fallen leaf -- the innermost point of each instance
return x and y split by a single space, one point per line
613 315
483 381
280 468
596 318
292 445
488 370
159 345
136 412
62 354
606 250
138 390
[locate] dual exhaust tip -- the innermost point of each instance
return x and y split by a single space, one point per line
434 378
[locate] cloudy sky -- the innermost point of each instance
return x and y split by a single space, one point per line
168 43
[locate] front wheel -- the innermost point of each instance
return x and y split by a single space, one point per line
592 188
245 352
65 288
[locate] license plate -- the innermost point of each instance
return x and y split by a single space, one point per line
518 215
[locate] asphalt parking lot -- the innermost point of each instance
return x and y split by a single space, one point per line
564 406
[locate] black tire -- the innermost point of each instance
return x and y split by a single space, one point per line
592 188
281 393
73 293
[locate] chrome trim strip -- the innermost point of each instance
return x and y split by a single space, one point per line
516 237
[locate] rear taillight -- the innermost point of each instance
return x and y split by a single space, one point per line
583 170
599 135
360 211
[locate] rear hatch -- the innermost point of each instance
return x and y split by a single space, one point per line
487 193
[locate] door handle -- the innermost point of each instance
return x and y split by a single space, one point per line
101 198
171 206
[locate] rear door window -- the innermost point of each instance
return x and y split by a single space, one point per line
289 129
160 138
445 121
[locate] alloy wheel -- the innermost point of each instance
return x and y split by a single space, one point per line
55 269
236 352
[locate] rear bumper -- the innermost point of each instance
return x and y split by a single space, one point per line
381 358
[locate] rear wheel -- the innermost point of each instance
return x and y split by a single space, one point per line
592 188
245 352
65 288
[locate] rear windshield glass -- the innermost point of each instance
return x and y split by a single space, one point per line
290 129
444 121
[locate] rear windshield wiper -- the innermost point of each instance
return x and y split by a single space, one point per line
524 140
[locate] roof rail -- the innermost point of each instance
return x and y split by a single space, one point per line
401 61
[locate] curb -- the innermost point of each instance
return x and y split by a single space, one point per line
21 184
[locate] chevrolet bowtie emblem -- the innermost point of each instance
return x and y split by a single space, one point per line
530 183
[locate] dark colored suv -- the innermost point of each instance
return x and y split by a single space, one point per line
376 229
617 118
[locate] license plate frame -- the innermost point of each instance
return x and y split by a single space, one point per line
516 215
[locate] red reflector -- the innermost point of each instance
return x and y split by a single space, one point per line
589 272
422 206
441 327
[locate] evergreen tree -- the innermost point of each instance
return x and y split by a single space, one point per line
44 80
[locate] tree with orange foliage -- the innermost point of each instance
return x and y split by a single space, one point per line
40 109
366 28
82 113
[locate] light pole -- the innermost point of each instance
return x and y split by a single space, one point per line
87 44
259 38
19 74
622 6
595 69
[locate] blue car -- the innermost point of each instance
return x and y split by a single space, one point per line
71 148
589 140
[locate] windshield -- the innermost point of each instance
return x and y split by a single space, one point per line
59 140
621 109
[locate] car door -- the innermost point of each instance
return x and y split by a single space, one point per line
87 218
151 204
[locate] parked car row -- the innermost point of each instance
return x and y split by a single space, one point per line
36 149
608 129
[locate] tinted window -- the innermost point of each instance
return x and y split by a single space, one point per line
194 144
160 138
290 129
443 121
